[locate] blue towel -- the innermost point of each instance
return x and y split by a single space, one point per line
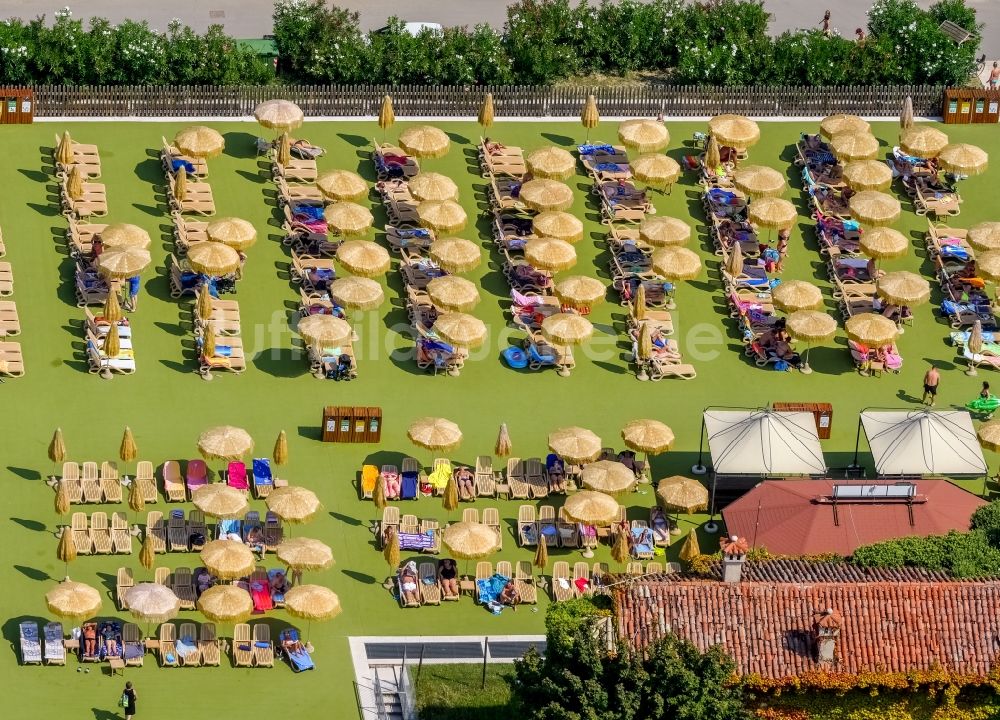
539 358
490 589
590 149
416 541
608 167
178 164
313 212
954 252
262 472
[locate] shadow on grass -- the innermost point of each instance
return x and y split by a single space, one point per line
346 519
33 573
558 139
24 473
100 714
36 175
281 362
360 577
310 432
47 210
241 145
355 140
12 630
33 525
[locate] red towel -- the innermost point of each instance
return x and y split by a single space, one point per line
261 595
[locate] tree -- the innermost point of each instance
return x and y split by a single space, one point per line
687 684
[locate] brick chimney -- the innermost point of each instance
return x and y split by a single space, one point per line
826 630
734 554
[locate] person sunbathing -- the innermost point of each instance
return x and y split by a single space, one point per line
408 584
203 580
255 541
660 525
557 473
90 639
279 584
492 147
509 595
392 484
109 634
448 575
466 483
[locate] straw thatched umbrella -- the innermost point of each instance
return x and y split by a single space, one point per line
884 243
456 255
663 231
502 447
589 116
541 559
650 437
906 113
111 349
226 604
591 507
293 504
645 136
620 551
682 495
127 450
219 500
989 435
850 146
57 450
284 152
74 183
66 550
461 329
575 445
312 602
279 114
840 123
923 141
112 310
349 218
378 496
964 159
810 326
607 476
391 550
550 162
644 351
759 181
212 258
984 236
357 293
73 600
772 213
690 550
713 155
433 186
657 171
227 559
442 216
453 293
567 329
234 232
871 329
580 292
637 308
542 194
280 454
180 184
305 554
123 235
200 141
873 208
975 346
204 302
559 225
152 603
676 263
486 111
64 151
988 267
903 288
425 141
469 540
225 442
342 185
61 503
325 330
386 115
136 502
868 175
734 263
550 254
735 131
147 554
123 263
792 295
363 257
435 433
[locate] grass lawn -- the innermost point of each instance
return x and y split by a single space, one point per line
456 692
167 405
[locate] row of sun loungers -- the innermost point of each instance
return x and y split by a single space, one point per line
98 537
87 483
175 533
11 360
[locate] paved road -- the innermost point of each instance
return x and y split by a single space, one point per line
252 18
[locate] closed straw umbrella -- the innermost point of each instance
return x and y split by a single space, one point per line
342 185
663 231
923 141
442 216
74 183
62 503
449 501
433 186
656 170
792 295
850 146
868 175
486 111
676 263
136 502
127 450
312 602
734 263
644 136
567 329
461 329
325 330
219 500
810 326
434 433
964 159
637 308
837 124
425 141
713 155
147 554
551 162
644 352
875 209
57 450
607 476
542 194
456 255
589 116
985 236
386 115
357 293
772 213
541 559
349 218
212 258
280 454
111 349
906 113
453 293
66 550
502 447
204 303
735 131
284 152
225 442
200 141
279 114
123 263
620 550
760 181
575 445
227 559
64 151
559 225
580 292
73 600
690 550
180 183
975 346
235 232
112 308
363 257
123 235
550 254
883 243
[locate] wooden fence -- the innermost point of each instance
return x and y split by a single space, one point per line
510 101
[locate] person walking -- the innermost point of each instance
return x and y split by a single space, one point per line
128 701
931 380
995 76
826 23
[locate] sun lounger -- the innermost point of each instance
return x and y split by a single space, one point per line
146 481
242 646
369 478
405 599
292 648
31 646
168 645
173 159
295 171
10 323
70 480
538 484
121 539
55 647
430 593
133 648
663 368
431 529
6 279
527 526
581 579
196 476
393 162
641 541
491 518
524 583
485 480
156 528
183 586
100 533
173 486
111 486
273 532
263 481
408 238
187 645
123 363
208 645
517 479
91 483
227 355
13 362
298 194
177 532
197 529
547 528
123 583
562 588
569 532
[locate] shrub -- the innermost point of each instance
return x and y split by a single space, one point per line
541 37
964 555
987 519
319 44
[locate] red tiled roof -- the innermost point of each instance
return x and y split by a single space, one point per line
766 627
784 517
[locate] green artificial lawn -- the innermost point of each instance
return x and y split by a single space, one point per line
167 404
457 692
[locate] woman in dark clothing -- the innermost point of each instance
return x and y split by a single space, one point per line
128 698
